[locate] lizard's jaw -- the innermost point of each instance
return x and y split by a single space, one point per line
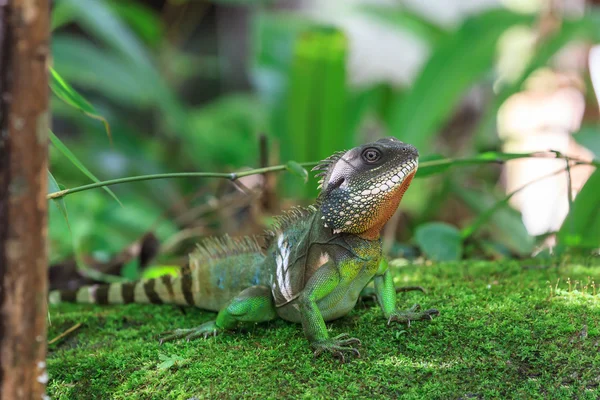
363 207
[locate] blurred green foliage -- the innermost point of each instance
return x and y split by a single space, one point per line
162 84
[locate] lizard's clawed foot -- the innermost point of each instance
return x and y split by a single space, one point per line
205 330
413 314
337 346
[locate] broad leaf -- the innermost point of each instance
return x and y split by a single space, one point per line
505 223
459 60
581 228
405 19
297 169
439 241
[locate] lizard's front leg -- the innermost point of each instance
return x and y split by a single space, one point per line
386 297
322 283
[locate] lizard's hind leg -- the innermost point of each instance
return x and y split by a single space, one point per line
254 304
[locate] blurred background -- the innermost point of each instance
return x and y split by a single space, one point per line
221 86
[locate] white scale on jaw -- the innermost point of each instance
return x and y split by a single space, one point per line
390 183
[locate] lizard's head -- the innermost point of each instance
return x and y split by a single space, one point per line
362 187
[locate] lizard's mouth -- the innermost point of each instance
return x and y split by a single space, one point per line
407 169
396 178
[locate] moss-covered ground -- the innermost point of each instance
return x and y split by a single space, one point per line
505 331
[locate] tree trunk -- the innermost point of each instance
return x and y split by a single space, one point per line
24 49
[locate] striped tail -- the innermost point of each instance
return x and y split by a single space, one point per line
219 270
166 289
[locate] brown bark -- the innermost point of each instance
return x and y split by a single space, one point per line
24 49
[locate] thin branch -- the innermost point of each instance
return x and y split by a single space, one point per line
231 176
503 157
65 333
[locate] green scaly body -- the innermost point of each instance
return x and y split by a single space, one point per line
313 268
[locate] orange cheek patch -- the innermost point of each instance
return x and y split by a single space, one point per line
388 207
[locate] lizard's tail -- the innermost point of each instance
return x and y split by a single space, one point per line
165 289
219 270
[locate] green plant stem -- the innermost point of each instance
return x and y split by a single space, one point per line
231 176
482 159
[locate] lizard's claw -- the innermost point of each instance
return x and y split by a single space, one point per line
337 346
205 330
412 314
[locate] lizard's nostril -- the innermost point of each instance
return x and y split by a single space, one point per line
410 149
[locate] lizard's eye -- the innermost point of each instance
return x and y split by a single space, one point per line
371 155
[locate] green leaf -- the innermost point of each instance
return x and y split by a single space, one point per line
53 186
166 364
581 228
75 161
506 224
428 165
100 21
405 19
66 93
459 60
160 270
297 169
317 99
91 67
439 241
589 137
169 361
142 19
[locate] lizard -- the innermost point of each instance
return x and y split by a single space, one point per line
312 268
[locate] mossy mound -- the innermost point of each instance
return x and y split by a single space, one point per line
506 330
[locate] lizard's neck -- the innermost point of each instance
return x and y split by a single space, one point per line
325 233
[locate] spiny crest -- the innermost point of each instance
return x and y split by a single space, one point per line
223 246
284 221
325 165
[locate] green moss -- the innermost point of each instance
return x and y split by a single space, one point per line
504 331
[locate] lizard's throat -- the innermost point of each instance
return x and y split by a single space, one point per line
362 207
385 209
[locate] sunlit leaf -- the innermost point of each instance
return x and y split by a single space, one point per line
439 241
570 30
297 169
66 93
459 60
67 153
315 109
160 270
405 19
581 228
428 165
